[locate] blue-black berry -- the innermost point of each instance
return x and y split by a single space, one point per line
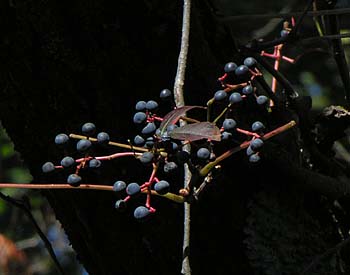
220 95
74 180
235 98
141 212
162 187
94 163
257 126
241 70
149 129
83 145
48 167
254 158
261 99
147 157
203 153
247 90
120 205
67 162
119 186
230 67
250 62
61 139
133 189
139 117
256 144
140 105
102 138
151 105
229 124
88 128
139 141
165 94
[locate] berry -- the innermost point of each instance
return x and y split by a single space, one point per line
261 99
230 67
241 70
133 189
146 157
67 162
120 205
284 33
249 151
119 186
203 153
139 141
140 106
226 135
247 90
61 139
48 167
83 145
102 138
139 117
250 62
162 187
256 144
141 212
229 124
257 126
149 142
169 167
174 146
88 128
165 94
254 158
149 129
170 128
94 163
74 180
220 95
235 98
151 105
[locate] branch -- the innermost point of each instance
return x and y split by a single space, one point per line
179 101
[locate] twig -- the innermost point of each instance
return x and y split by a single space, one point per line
179 101
23 206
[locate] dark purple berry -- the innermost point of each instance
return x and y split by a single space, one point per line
141 212
229 124
241 70
139 141
220 95
94 163
151 105
84 145
254 158
257 126
146 157
226 135
139 117
169 167
61 139
261 99
256 144
149 142
133 189
74 180
203 153
162 187
247 90
250 62
165 94
140 106
230 67
149 129
67 162
102 138
119 186
48 167
249 151
88 129
235 98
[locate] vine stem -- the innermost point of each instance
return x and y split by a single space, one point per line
180 101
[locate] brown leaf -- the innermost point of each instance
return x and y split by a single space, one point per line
197 131
173 116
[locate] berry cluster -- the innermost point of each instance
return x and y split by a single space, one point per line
159 145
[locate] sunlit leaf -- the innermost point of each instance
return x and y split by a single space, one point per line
197 131
173 116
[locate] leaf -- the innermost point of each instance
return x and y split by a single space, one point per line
197 131
173 116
